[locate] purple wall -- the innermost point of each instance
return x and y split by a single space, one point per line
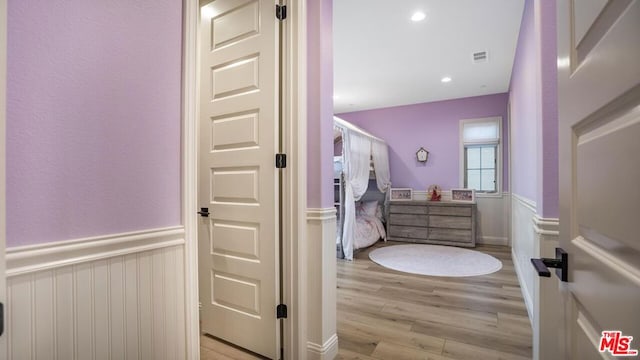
93 118
548 198
434 126
319 103
524 110
534 117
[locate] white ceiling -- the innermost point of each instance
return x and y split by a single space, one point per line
382 58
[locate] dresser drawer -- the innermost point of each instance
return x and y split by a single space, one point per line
407 209
456 235
411 232
449 222
450 210
408 219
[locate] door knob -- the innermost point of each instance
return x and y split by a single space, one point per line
204 212
560 263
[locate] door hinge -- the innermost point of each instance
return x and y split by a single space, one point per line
281 311
281 12
281 161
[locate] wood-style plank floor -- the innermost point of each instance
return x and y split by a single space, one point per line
213 349
385 314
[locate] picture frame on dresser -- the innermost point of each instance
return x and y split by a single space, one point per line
401 194
463 195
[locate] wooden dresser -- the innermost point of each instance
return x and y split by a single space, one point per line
433 222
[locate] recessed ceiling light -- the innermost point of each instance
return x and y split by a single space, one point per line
446 79
418 16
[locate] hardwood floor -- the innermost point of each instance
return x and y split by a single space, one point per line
385 314
214 349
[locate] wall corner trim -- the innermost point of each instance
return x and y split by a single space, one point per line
32 258
327 351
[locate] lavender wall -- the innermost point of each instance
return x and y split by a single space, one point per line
548 197
524 110
534 119
319 103
434 126
93 118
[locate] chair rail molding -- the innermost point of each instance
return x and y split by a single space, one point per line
33 258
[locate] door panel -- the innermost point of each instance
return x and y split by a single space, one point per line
599 118
237 176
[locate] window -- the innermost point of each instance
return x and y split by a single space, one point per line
480 154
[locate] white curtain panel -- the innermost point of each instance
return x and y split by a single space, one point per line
380 154
356 174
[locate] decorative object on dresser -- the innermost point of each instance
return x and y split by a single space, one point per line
442 223
401 194
463 195
434 193
422 155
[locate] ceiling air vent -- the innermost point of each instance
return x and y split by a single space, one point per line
480 57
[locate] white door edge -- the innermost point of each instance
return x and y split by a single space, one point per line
295 191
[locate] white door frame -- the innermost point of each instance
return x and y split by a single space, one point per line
295 178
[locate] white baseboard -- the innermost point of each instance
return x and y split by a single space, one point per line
118 296
492 240
326 351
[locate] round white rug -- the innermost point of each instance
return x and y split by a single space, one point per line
435 260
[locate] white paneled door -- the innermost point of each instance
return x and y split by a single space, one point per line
599 134
238 181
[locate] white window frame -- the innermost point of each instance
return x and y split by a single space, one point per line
463 122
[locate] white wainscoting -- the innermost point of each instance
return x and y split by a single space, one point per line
322 341
536 237
524 246
111 297
493 216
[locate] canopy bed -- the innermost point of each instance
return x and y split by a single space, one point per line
361 208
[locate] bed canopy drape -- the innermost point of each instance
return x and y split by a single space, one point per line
358 149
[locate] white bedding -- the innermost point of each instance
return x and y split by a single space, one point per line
369 229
